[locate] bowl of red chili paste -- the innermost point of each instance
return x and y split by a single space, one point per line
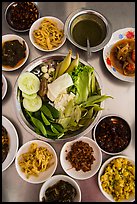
112 134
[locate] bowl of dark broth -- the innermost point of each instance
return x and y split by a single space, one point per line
82 24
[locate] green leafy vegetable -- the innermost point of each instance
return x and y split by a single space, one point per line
95 99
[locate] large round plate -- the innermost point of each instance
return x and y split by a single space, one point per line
116 36
14 143
25 123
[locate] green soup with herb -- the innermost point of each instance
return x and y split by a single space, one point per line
88 29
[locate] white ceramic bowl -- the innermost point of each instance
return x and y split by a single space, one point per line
4 86
54 179
43 176
81 175
113 118
13 145
10 37
124 33
36 25
108 196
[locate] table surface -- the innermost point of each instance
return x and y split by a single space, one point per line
121 15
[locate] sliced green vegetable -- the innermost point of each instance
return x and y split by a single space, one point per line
28 83
54 129
32 105
45 120
55 113
93 83
57 70
29 96
47 112
73 64
39 125
95 99
58 127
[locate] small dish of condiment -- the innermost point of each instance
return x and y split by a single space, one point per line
81 158
47 33
36 161
15 52
116 179
112 134
119 54
21 15
10 143
60 188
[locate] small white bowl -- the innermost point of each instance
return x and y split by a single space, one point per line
4 86
53 180
101 171
81 175
43 176
13 143
36 25
10 37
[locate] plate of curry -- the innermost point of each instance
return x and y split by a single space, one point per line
15 52
119 54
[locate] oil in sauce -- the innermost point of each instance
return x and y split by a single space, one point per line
88 29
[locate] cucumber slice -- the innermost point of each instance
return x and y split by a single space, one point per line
28 83
29 96
32 105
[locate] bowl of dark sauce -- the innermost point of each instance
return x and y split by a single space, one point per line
86 23
21 15
112 134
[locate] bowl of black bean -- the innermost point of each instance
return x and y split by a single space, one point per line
21 15
112 134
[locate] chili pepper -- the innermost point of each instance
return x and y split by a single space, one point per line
45 120
73 64
65 63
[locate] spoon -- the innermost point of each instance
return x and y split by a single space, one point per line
88 49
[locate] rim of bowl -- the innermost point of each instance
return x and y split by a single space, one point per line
6 86
27 52
20 31
40 20
60 176
21 117
106 162
94 134
77 13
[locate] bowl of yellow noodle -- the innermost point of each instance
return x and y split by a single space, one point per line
47 33
36 161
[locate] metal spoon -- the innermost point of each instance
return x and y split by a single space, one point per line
88 49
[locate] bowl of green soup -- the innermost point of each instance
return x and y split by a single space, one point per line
83 24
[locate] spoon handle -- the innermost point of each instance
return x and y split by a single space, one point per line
88 49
